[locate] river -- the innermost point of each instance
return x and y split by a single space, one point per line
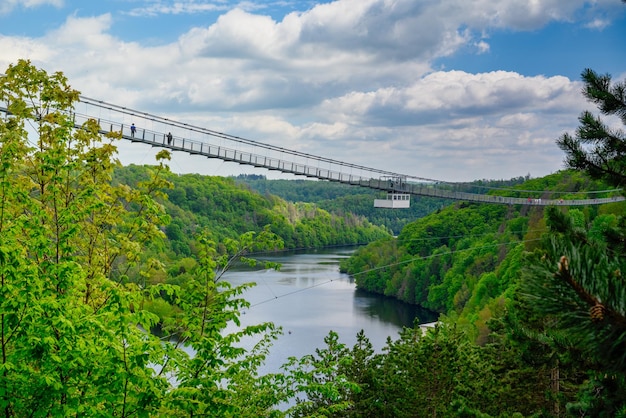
308 297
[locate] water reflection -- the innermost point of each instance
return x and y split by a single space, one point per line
391 310
308 298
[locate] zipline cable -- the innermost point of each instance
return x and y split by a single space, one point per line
393 265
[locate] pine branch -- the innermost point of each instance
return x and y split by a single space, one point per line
597 310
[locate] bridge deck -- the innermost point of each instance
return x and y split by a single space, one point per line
368 177
417 189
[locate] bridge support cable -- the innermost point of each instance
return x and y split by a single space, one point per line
214 144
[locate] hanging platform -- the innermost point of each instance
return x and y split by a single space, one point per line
394 201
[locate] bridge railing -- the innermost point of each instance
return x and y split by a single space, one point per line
357 175
224 153
365 177
431 190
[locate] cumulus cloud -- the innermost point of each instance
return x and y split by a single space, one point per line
347 79
7 6
441 96
443 118
176 8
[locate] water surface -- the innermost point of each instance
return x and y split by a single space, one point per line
308 297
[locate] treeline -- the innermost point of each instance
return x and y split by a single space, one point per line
343 199
195 203
460 258
223 211
534 301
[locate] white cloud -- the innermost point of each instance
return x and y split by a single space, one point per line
84 32
14 48
598 24
482 46
349 79
444 95
176 8
7 6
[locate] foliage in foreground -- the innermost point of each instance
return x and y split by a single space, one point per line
72 320
72 323
574 284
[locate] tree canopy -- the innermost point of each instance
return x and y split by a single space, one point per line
534 302
73 326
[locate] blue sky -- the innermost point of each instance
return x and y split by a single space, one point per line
454 90
556 49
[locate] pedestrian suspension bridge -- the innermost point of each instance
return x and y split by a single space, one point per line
141 127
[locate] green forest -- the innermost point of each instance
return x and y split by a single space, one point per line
342 199
107 271
227 209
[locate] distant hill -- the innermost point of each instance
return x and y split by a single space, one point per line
460 260
228 209
340 198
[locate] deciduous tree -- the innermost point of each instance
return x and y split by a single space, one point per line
73 339
69 335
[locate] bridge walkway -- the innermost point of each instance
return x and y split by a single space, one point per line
301 164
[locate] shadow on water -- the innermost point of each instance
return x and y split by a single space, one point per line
391 310
309 297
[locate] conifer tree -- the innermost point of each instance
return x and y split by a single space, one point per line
601 152
575 283
596 148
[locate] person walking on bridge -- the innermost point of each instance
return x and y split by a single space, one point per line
169 138
133 129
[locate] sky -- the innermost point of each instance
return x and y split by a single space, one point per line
454 90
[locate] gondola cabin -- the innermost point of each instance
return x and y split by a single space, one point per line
394 201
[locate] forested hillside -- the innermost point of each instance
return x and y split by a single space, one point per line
341 199
533 298
464 256
493 272
227 210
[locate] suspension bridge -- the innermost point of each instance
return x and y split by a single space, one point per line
133 126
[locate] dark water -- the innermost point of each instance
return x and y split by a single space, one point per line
308 297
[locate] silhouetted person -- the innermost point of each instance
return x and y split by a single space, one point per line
169 138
